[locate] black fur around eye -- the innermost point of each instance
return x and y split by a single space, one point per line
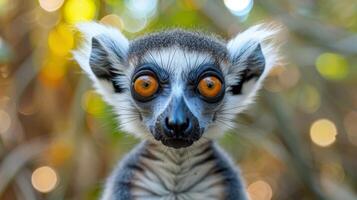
161 74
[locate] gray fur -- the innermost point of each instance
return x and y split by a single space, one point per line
190 41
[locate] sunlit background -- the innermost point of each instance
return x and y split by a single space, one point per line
58 139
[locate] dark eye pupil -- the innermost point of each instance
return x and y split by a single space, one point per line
210 84
146 84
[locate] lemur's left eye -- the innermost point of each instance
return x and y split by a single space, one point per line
210 87
146 85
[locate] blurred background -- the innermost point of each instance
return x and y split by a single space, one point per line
58 139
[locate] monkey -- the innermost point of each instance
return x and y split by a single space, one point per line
178 91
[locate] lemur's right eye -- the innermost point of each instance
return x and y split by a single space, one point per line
145 86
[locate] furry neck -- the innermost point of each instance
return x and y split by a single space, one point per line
186 172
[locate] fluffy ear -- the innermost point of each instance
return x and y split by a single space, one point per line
251 58
103 56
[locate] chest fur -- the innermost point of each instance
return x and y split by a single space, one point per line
174 174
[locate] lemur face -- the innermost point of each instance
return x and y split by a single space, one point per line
175 86
178 93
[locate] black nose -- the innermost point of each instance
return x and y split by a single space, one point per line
177 127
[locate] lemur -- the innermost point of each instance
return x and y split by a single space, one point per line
179 91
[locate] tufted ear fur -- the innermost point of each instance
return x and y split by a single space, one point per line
251 58
103 57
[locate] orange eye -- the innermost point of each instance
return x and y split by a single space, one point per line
146 85
210 86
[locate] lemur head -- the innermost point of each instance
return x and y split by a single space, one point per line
176 86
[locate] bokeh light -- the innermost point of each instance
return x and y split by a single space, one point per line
93 103
350 123
260 190
308 99
60 40
239 7
142 8
52 72
51 5
3 5
44 179
323 132
5 121
80 10
113 20
133 24
332 66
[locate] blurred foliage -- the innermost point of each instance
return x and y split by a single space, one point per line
298 142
